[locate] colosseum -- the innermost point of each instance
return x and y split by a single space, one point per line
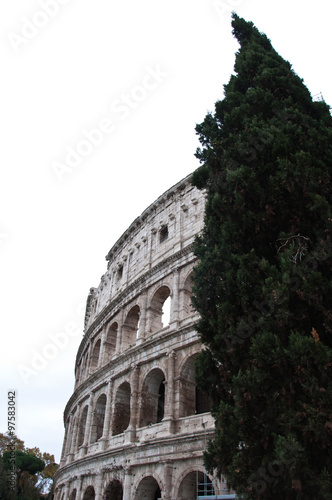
136 425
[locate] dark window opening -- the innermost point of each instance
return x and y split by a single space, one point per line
121 417
119 273
153 398
163 234
89 493
114 491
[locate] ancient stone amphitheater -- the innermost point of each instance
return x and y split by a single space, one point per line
136 425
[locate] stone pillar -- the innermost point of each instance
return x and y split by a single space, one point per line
119 335
134 403
168 473
174 319
72 440
127 484
109 346
72 433
143 319
152 244
179 212
88 362
169 407
102 348
108 413
65 441
66 490
76 428
126 267
98 485
88 427
57 495
176 398
79 490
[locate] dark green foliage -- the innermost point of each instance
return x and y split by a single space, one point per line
24 472
25 462
263 285
27 466
5 487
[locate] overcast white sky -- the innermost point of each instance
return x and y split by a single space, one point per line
143 73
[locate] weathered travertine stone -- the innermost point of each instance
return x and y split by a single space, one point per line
136 426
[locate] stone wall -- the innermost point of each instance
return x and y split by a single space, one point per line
136 425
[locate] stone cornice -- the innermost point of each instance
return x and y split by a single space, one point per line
170 440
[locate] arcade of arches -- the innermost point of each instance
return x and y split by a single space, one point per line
109 343
193 484
150 406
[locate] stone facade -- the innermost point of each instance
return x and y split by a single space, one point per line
136 426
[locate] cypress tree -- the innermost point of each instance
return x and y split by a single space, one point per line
263 283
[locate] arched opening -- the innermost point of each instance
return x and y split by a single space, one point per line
196 484
153 398
187 392
188 309
95 355
89 493
160 309
121 417
166 312
110 344
114 491
73 495
98 419
130 328
163 234
192 400
148 489
81 431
